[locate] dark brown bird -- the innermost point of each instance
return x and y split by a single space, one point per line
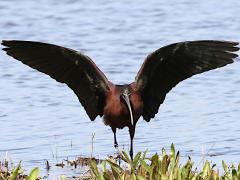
122 105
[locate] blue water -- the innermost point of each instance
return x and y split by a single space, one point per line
42 119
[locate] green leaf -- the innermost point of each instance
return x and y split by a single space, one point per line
172 155
126 157
139 177
136 160
145 166
164 177
94 169
144 154
177 157
165 164
107 175
155 165
103 164
154 161
15 172
63 178
225 167
206 169
100 177
234 174
124 176
172 152
116 172
112 164
164 152
133 176
33 174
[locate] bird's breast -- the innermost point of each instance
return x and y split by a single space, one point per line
116 113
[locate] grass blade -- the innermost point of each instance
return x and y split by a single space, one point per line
15 172
33 174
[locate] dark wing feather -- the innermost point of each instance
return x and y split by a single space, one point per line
167 66
66 66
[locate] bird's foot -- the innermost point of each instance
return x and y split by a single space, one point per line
116 145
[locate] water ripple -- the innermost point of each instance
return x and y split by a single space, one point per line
39 116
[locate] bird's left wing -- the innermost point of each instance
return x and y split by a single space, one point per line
167 66
66 66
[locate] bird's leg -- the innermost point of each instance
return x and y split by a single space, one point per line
115 138
131 132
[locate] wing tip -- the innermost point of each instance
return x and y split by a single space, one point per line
235 46
5 49
147 117
9 43
234 43
5 42
234 55
235 49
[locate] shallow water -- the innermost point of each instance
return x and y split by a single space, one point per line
42 119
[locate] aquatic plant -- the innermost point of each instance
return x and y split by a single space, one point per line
17 173
160 167
164 166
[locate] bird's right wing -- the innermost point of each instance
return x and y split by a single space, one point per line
66 66
167 66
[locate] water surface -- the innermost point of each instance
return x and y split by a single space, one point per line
42 119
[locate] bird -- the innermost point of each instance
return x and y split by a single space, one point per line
122 105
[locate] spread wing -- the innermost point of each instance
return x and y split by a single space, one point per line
169 65
66 66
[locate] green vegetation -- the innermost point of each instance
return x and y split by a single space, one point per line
17 173
158 167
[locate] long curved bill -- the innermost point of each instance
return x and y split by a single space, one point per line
126 98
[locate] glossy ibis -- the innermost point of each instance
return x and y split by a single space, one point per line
122 105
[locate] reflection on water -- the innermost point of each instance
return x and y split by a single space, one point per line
41 119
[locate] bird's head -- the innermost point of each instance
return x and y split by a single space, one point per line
125 95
